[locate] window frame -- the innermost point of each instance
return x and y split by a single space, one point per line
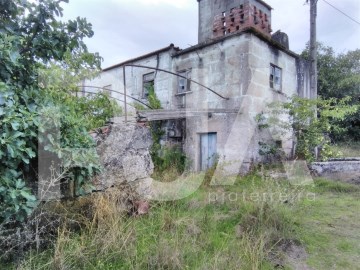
275 73
146 81
187 85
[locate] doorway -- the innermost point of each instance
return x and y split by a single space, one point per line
208 146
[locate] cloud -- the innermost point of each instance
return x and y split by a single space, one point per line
128 28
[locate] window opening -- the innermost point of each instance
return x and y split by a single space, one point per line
148 83
275 77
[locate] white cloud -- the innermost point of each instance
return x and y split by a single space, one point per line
128 28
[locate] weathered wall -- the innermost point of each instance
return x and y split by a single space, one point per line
134 79
237 68
303 77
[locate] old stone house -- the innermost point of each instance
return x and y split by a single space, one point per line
225 80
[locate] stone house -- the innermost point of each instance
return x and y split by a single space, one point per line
224 81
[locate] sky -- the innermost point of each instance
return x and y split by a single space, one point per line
125 29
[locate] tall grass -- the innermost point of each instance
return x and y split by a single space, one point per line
193 233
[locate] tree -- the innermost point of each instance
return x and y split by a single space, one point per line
339 77
31 39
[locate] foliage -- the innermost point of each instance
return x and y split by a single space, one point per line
154 102
17 200
310 121
32 39
170 157
339 77
167 157
90 111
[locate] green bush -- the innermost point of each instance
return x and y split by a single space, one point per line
310 121
31 40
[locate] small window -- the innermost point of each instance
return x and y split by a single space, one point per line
107 89
224 13
148 83
184 82
275 77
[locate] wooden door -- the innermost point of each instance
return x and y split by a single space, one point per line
208 142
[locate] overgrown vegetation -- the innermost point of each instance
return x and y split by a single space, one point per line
208 230
251 225
42 61
339 77
168 160
309 122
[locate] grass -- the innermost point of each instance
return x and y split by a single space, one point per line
242 226
348 149
330 226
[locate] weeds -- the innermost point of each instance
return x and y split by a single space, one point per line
193 233
323 185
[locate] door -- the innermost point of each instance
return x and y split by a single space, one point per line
208 143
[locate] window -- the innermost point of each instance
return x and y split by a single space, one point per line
275 77
107 89
184 83
148 83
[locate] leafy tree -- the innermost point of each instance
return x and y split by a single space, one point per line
338 77
31 39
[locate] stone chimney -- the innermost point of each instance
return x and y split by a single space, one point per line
218 18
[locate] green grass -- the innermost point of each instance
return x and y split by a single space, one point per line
348 149
330 226
224 227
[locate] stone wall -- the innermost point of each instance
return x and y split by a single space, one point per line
125 156
347 170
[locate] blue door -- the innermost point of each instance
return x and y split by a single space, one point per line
208 143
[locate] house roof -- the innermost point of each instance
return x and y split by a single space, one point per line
250 29
170 47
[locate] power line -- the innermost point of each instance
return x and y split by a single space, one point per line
342 12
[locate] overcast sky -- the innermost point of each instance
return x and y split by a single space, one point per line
129 28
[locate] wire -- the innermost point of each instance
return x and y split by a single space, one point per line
342 12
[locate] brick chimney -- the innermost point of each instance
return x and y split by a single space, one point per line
218 18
